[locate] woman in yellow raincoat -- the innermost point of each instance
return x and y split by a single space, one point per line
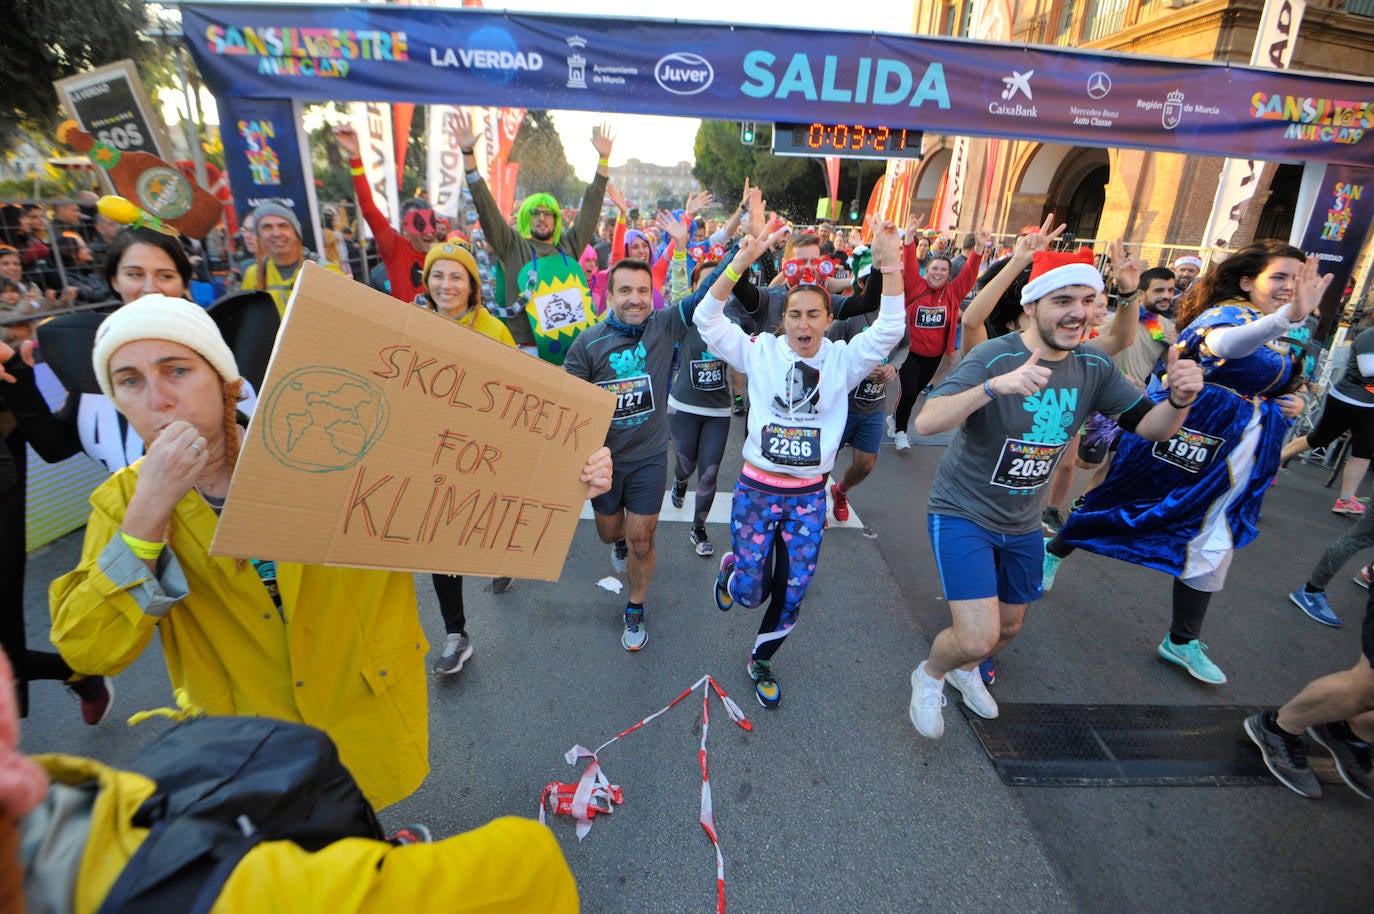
337 648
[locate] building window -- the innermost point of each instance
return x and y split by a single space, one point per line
1105 17
1066 33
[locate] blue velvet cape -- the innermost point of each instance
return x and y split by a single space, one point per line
1147 510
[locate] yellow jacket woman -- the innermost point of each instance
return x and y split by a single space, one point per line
339 649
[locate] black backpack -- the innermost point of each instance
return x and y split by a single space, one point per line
224 785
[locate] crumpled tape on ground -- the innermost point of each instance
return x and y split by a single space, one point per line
594 794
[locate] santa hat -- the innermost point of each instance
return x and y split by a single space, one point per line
1188 260
1051 270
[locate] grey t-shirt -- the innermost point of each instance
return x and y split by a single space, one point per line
870 396
639 371
1005 453
1353 386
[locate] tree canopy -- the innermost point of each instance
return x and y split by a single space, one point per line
53 39
544 164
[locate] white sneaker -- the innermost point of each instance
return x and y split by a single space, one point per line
892 426
927 703
976 695
902 441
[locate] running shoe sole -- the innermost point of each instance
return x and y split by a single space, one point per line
456 665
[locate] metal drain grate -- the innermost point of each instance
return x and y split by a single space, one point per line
1051 745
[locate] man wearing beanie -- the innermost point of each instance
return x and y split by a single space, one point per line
403 252
280 252
1015 402
543 255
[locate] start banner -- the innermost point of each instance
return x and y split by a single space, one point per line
944 85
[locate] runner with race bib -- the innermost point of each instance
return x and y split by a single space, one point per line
1016 401
799 384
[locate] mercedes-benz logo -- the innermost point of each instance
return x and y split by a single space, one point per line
1099 84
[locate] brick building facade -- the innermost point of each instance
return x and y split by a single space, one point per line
1160 200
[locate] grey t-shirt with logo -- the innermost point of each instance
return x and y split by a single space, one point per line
1005 453
639 371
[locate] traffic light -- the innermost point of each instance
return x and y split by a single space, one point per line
746 133
854 210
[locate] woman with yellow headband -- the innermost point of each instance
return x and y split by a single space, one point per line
454 289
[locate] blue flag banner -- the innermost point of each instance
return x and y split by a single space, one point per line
945 85
1338 226
262 154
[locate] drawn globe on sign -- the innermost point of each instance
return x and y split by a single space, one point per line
321 419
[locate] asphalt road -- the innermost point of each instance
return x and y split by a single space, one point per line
833 803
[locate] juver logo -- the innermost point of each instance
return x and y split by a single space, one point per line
683 73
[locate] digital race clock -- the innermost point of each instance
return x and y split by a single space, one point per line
854 141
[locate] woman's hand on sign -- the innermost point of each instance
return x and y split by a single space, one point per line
596 473
1311 288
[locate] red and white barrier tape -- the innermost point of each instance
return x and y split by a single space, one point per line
594 794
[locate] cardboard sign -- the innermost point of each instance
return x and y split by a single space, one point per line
387 436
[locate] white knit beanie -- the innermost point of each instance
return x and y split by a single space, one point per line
161 317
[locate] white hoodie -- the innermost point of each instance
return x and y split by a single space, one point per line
797 406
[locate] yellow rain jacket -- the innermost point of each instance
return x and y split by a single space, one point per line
345 653
509 865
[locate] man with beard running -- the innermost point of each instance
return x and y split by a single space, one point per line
1015 402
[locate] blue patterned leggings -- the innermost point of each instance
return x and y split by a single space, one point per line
786 529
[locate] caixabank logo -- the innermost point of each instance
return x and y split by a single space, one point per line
684 73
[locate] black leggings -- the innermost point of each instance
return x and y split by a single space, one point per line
449 589
915 374
1337 416
699 442
28 665
1189 604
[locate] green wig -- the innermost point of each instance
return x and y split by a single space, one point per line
533 202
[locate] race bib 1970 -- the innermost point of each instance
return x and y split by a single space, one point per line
1189 450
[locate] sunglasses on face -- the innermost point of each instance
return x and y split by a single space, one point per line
543 214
